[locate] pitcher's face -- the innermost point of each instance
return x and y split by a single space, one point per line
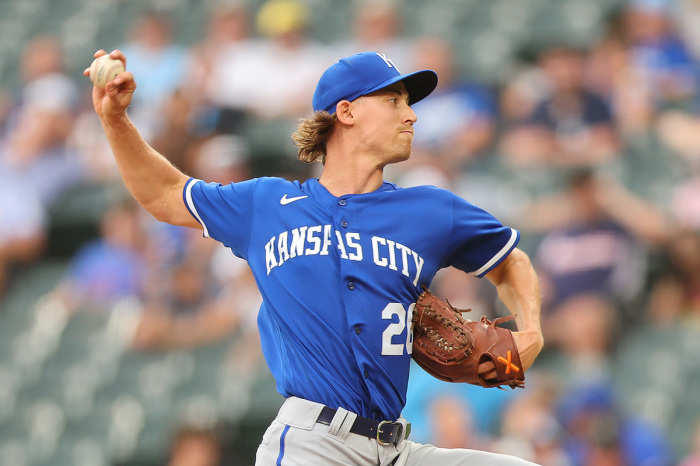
385 123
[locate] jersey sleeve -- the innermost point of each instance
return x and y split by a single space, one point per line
224 211
479 241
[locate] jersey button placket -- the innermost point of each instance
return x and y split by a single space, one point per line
351 285
343 203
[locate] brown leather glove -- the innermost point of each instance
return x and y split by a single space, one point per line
451 348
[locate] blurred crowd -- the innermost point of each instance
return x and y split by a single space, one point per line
592 152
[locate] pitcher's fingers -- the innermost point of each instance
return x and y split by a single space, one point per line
486 366
123 80
97 54
118 55
487 370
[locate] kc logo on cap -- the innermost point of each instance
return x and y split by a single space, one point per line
364 73
388 62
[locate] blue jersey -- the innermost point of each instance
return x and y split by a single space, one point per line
339 276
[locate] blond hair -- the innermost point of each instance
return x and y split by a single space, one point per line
312 134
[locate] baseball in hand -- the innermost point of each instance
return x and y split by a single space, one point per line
104 69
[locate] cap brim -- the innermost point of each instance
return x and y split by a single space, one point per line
419 84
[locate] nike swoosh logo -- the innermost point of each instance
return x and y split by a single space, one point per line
288 200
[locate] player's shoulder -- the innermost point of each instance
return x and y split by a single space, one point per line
253 186
426 191
276 182
271 189
439 200
268 184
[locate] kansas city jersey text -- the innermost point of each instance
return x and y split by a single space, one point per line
318 239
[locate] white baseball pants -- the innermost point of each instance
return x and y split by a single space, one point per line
295 439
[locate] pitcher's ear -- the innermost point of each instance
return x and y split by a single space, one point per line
343 111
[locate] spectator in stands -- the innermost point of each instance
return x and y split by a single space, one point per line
663 43
23 226
465 294
221 158
595 237
661 59
36 166
572 126
598 434
160 62
377 25
217 68
582 338
41 57
530 427
179 135
245 355
477 408
184 314
658 54
592 264
109 268
34 148
197 312
458 123
674 295
610 74
526 86
91 144
227 30
195 446
451 423
275 77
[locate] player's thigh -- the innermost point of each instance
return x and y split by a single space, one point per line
416 454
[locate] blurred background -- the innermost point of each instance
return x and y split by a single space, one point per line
124 341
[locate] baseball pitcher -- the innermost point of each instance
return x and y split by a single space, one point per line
340 262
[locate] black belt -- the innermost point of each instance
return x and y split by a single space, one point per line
385 432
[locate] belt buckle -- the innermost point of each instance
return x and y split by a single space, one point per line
380 431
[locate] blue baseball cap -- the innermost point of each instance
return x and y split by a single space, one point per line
364 73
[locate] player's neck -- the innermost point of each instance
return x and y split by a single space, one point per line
340 179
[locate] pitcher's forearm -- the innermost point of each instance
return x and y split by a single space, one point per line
153 181
520 292
518 288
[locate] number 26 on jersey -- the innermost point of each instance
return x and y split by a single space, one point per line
391 334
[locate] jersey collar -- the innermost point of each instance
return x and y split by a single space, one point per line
319 192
